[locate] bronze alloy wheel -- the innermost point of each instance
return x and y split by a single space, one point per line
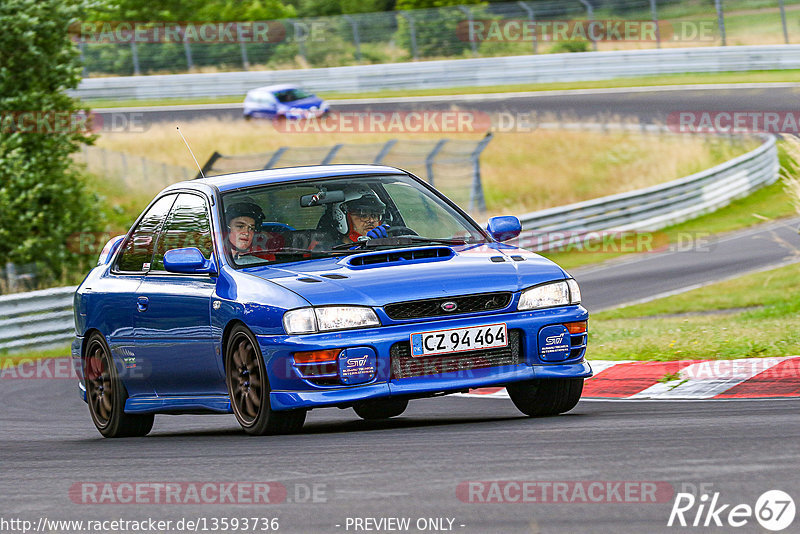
99 387
248 387
245 380
106 394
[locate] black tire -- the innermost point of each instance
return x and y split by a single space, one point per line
380 408
541 398
248 387
106 394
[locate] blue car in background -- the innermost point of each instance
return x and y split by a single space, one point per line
259 294
283 102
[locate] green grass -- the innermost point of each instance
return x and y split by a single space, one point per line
641 81
756 315
8 360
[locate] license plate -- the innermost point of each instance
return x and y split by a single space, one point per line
459 340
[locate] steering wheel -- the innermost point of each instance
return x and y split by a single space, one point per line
400 230
275 227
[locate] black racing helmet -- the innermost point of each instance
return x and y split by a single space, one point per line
368 201
245 208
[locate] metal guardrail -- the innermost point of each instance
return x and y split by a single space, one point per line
36 320
655 207
43 319
453 73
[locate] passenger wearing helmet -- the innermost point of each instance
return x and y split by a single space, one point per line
361 216
244 221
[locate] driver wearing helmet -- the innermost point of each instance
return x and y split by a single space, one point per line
244 220
360 216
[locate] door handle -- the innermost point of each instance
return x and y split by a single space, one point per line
142 303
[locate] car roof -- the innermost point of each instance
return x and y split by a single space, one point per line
227 182
272 88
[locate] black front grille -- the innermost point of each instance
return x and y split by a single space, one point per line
415 309
406 366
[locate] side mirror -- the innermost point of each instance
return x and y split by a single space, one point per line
188 261
504 228
109 250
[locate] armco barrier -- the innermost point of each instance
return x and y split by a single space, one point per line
36 320
659 206
42 319
567 67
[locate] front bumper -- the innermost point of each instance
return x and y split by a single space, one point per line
289 390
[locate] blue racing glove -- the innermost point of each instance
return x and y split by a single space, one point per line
378 231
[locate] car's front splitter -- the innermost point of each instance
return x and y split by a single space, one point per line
427 385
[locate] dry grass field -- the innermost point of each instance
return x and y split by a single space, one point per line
521 172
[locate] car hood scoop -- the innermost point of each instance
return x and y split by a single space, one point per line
399 257
377 278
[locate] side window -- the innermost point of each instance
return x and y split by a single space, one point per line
138 250
188 225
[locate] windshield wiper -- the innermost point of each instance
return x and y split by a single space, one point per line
439 241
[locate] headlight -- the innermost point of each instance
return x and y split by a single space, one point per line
310 320
549 295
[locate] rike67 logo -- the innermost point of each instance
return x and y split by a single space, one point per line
774 510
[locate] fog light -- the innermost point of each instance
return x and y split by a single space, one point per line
578 327
317 356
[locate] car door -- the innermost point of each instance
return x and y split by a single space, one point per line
173 323
112 299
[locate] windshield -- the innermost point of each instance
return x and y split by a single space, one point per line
334 217
290 95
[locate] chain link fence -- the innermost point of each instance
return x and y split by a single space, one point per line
134 172
451 165
439 33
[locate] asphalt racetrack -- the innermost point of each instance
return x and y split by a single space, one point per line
646 104
340 467
696 260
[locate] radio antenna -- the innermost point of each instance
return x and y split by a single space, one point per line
190 152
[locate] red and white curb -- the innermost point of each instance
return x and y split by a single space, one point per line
747 378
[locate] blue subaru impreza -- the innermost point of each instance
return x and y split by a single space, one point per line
266 294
